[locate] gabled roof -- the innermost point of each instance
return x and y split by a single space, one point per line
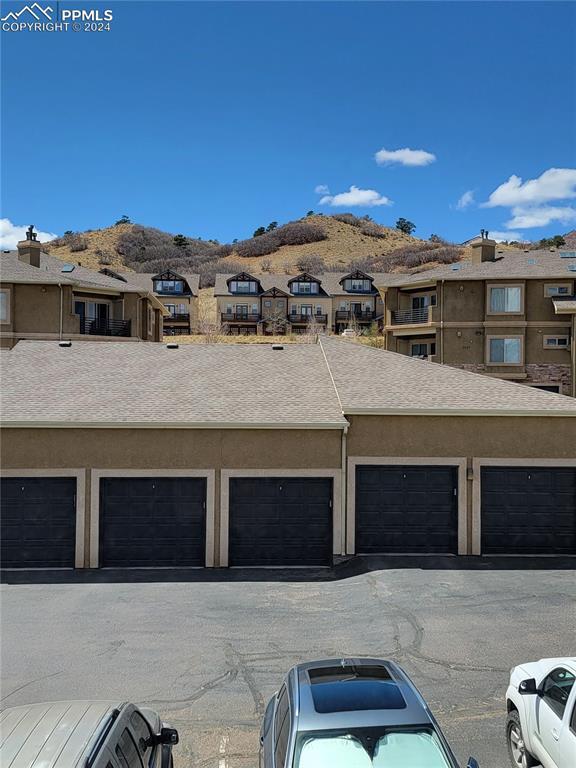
146 280
111 273
243 276
356 275
91 384
275 292
514 265
168 274
305 277
330 283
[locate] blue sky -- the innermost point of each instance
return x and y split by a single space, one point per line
212 119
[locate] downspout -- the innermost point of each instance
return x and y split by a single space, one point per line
61 309
344 511
442 323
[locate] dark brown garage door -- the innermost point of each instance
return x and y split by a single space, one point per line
528 510
152 522
404 509
280 521
38 522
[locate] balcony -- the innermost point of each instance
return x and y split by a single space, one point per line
360 315
239 317
305 319
412 316
178 317
104 327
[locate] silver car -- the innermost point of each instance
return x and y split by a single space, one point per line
351 713
84 734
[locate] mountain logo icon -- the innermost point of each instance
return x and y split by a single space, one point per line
35 10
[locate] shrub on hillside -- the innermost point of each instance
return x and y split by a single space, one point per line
147 244
410 256
209 270
347 218
311 263
294 233
77 243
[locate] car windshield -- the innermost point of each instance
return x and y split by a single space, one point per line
370 748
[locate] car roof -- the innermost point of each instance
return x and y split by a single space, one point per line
365 671
59 734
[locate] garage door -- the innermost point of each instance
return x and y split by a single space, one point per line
406 509
528 510
280 521
152 522
38 522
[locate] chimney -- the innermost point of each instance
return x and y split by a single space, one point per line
29 250
483 249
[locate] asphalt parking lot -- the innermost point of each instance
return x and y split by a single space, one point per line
208 649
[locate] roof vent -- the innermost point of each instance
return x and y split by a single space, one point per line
65 343
172 345
526 250
455 267
277 346
68 268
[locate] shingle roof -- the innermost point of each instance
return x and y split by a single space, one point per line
144 279
117 383
518 265
369 379
330 282
12 270
307 385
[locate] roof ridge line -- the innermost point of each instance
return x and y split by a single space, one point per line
331 376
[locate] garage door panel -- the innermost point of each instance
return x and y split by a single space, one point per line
152 522
406 509
280 521
528 510
38 522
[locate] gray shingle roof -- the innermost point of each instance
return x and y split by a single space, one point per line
518 265
330 282
118 384
12 270
144 279
369 379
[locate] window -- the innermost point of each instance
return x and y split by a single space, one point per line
293 309
281 728
556 342
318 310
127 751
243 286
4 306
280 304
421 302
305 288
556 689
505 351
573 719
142 733
558 290
358 285
505 299
169 286
267 303
423 350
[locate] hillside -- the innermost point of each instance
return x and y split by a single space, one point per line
101 248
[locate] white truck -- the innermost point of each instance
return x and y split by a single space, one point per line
541 723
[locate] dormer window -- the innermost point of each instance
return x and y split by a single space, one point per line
305 288
168 286
243 286
358 285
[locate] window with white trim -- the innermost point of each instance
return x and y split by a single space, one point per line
556 342
4 306
505 298
565 289
505 350
305 288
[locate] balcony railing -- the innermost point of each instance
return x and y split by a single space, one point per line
99 327
411 316
355 314
178 317
239 317
299 319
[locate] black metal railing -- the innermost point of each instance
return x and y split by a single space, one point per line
99 327
321 319
178 317
355 314
239 317
411 316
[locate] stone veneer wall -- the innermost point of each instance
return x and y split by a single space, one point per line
537 373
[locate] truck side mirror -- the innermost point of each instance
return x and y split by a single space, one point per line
168 736
528 687
472 763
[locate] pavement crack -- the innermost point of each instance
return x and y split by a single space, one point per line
237 662
230 674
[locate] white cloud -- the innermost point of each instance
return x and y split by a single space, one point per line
466 200
540 216
553 184
322 189
10 234
411 157
355 197
500 237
